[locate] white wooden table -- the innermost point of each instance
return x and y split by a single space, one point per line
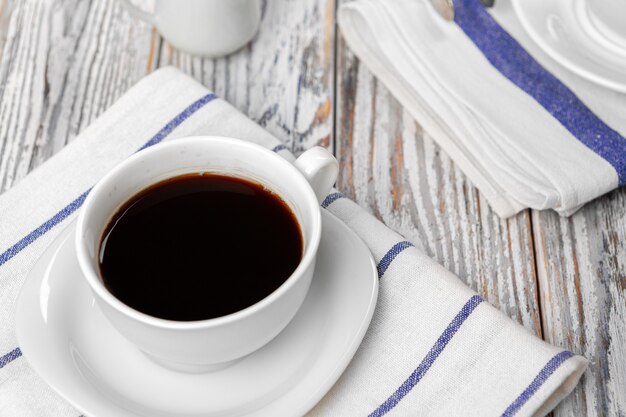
64 62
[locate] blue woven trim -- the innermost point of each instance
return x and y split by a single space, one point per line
508 57
429 359
330 198
391 255
552 365
279 148
43 229
10 357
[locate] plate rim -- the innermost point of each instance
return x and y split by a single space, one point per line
556 55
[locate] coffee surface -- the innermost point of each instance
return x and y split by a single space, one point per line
199 246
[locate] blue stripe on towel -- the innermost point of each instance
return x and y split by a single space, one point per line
534 386
429 359
508 57
279 148
74 205
10 357
43 228
176 121
391 255
330 198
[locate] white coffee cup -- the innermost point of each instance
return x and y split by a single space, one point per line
203 27
199 346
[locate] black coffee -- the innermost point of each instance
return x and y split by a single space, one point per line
199 246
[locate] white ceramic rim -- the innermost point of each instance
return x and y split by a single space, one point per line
557 56
93 279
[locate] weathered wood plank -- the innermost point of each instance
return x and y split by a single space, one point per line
62 64
392 168
581 264
283 79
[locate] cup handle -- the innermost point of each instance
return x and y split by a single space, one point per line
137 12
320 168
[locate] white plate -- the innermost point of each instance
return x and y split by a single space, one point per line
563 29
67 340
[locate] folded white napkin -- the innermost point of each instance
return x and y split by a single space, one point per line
526 131
433 348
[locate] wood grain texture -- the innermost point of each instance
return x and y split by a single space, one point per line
284 79
581 264
394 170
63 62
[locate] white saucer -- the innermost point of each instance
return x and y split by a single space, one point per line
564 29
67 340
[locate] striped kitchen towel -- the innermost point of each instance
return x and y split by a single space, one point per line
528 133
434 347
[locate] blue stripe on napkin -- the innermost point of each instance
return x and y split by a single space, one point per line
429 359
43 228
330 198
552 365
176 121
508 57
391 255
10 357
279 148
